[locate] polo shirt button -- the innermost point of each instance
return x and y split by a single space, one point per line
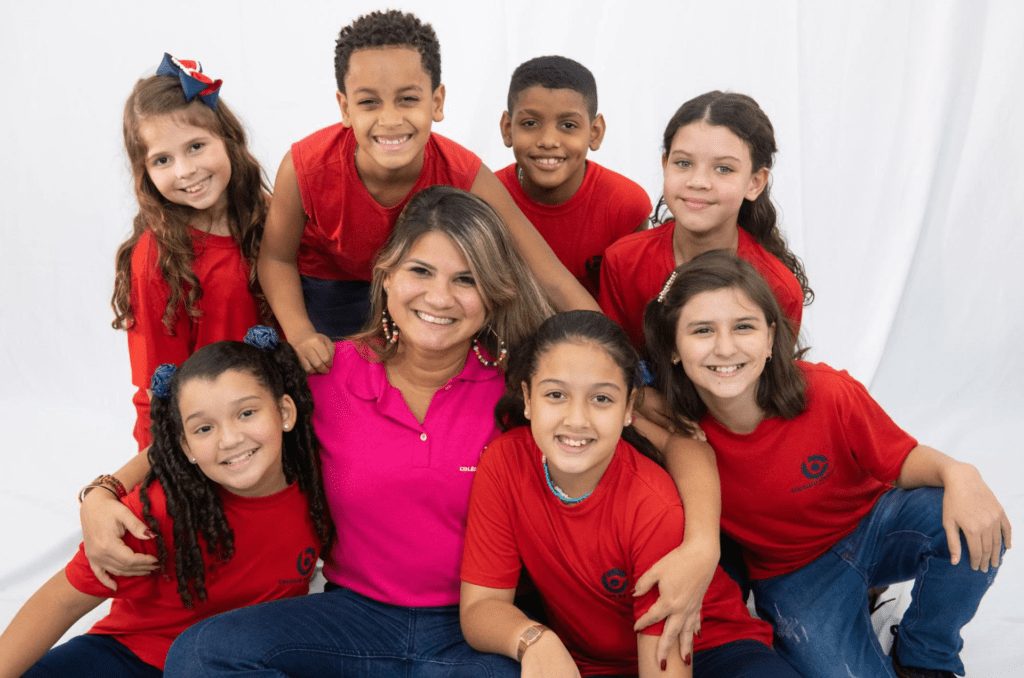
423 436
448 387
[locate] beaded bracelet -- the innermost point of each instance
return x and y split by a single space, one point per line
107 482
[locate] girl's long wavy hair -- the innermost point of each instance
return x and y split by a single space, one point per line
780 389
742 116
193 500
514 302
161 95
572 327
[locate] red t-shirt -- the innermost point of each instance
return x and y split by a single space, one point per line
227 306
345 226
585 559
606 207
635 269
276 549
793 488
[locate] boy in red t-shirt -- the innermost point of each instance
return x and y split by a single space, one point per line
339 191
578 206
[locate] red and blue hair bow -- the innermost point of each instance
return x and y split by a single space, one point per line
193 82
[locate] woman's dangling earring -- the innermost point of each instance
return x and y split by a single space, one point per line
502 351
390 327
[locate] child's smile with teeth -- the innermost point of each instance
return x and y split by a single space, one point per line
723 342
233 428
577 402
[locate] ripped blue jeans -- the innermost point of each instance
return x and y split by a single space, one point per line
820 612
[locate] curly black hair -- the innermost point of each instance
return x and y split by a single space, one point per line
388 29
193 501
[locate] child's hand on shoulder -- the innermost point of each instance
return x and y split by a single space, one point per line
316 352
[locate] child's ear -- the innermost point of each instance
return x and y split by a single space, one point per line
597 129
664 161
187 450
438 102
289 413
758 180
343 107
506 129
628 419
771 340
526 399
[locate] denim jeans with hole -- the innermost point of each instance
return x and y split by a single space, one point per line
337 633
820 612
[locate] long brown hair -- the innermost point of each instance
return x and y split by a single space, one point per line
780 389
247 201
742 116
515 303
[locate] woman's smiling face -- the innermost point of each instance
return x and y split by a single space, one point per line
433 297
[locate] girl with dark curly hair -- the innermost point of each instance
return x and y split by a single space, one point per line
235 505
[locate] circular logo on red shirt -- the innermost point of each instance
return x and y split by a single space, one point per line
815 466
615 580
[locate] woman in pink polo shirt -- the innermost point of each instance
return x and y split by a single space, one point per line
403 415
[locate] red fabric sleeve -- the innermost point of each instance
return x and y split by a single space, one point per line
491 556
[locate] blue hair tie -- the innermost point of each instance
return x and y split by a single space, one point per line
160 384
262 337
645 375
193 82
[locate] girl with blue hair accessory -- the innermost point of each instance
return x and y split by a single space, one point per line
235 505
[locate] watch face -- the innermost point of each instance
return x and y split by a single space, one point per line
531 634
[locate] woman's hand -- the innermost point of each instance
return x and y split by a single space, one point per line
104 522
683 577
316 352
548 658
969 506
651 406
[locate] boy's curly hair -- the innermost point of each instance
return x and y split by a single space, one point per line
388 29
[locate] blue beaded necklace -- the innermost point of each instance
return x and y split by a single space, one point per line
559 492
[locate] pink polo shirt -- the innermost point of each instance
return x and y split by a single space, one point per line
398 489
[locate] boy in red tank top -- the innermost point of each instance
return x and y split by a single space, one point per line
340 190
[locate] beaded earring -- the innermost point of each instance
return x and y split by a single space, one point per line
502 351
390 327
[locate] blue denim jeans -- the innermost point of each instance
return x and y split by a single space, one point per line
336 633
91 656
820 612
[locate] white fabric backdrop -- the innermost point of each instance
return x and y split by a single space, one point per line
898 180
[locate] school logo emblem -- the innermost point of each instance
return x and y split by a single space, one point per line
815 467
614 581
306 561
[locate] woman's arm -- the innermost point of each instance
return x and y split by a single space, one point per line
492 623
968 505
105 520
40 623
278 271
672 666
684 574
565 291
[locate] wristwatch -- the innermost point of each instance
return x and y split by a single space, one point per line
529 637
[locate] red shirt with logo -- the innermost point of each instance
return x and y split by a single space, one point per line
635 268
606 207
276 549
585 558
345 226
794 487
